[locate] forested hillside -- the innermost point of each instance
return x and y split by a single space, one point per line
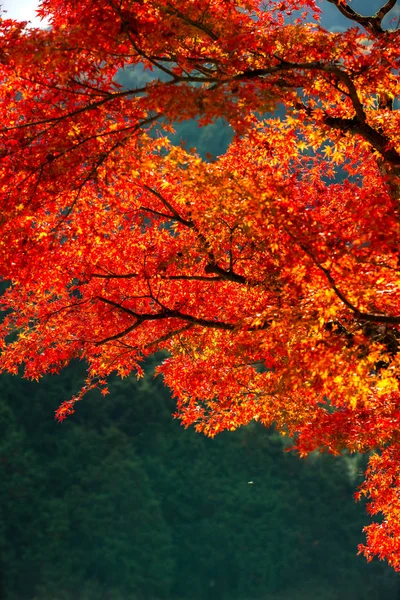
120 502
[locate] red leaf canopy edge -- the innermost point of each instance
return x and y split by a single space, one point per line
272 283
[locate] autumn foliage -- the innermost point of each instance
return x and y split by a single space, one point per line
271 275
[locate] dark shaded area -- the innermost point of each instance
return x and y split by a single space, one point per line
119 502
209 141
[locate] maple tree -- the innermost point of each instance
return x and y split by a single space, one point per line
270 274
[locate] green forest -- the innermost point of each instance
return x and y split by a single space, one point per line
121 503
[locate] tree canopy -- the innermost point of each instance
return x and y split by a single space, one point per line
270 274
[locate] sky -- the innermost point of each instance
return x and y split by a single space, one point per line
22 10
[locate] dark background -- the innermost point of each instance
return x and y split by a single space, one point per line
121 503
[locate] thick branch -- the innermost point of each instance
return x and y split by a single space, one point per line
372 23
358 124
376 139
168 314
382 12
227 275
311 66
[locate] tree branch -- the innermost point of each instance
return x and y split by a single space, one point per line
357 124
169 314
376 139
227 275
119 335
165 277
73 113
168 205
372 23
196 24
382 12
311 66
358 314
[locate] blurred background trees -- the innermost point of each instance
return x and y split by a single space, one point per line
120 502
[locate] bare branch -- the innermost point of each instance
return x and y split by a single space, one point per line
382 12
171 314
372 23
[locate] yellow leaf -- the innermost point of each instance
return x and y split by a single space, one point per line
327 150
